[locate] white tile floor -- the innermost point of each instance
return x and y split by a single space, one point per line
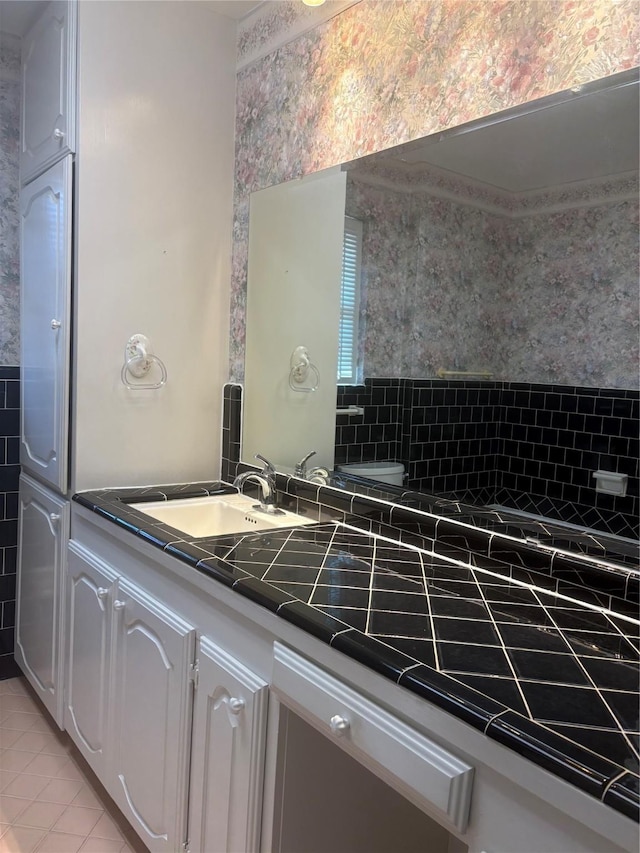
50 802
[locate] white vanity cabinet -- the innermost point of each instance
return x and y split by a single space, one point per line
91 588
48 89
432 777
129 695
218 727
228 747
43 522
152 658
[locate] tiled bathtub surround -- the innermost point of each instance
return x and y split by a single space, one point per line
527 446
487 641
9 473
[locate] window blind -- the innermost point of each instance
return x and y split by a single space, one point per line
349 302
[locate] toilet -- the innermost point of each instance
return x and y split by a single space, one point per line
385 472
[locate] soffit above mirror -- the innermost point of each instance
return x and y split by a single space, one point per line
547 147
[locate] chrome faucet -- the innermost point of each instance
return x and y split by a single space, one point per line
301 467
315 475
266 479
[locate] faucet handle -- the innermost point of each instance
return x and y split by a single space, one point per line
268 467
301 467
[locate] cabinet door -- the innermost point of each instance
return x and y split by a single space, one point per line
151 703
48 89
43 521
90 594
45 315
229 732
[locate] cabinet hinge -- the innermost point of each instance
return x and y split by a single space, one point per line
194 676
185 847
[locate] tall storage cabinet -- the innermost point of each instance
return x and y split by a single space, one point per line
46 219
127 182
46 321
48 89
43 522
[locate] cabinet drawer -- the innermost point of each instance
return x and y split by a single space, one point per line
397 752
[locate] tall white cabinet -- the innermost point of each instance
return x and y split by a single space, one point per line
46 324
46 225
43 519
126 202
48 89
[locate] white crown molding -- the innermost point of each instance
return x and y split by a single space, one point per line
472 193
264 17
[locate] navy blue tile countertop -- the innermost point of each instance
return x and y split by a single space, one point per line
544 674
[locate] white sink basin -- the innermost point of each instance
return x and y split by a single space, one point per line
218 515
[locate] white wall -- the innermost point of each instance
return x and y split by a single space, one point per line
153 237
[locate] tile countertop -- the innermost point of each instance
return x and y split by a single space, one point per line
542 673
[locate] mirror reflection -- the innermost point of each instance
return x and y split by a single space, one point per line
480 309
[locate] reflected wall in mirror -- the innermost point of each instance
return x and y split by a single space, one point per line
504 253
510 248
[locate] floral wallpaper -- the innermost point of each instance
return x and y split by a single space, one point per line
382 73
9 193
450 282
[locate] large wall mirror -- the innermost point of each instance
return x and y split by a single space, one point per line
490 345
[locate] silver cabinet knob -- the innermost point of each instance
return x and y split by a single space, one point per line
54 517
55 324
58 134
236 705
102 593
339 725
119 605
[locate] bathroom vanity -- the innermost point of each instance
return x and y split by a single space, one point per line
287 689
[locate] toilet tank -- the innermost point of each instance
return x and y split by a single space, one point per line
385 472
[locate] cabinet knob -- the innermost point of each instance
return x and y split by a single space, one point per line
236 705
102 593
54 517
119 605
58 134
55 324
339 725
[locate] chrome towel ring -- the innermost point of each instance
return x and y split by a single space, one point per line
300 365
138 361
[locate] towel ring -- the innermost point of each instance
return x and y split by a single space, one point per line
137 363
300 365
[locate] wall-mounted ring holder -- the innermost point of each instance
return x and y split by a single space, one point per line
301 366
138 361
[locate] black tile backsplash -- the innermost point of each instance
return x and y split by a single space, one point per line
530 447
9 474
376 434
231 429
